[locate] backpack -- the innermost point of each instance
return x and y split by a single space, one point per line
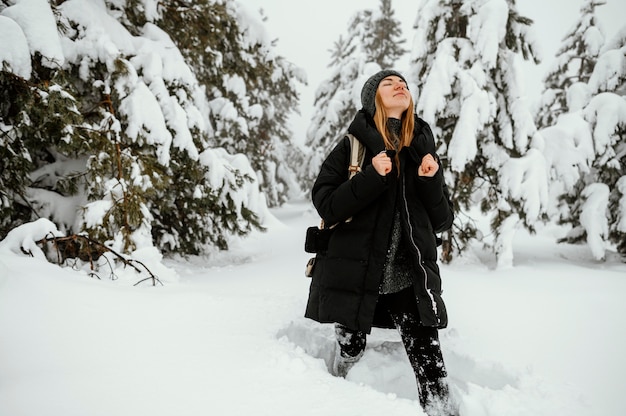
317 237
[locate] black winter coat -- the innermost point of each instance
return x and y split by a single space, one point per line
346 279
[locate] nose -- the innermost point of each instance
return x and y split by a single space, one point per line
400 85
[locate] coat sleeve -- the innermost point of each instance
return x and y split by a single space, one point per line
436 198
432 191
336 197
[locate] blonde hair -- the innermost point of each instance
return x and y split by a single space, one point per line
406 131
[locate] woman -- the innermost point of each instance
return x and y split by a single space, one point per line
380 267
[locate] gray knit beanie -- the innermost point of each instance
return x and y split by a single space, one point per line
368 93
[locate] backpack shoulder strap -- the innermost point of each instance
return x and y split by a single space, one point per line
357 155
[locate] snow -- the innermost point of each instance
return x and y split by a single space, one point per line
606 111
594 39
174 68
39 26
609 70
593 217
488 26
145 120
568 148
102 38
524 179
578 96
22 239
14 50
255 30
96 212
476 110
226 336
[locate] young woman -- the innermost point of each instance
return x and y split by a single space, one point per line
380 267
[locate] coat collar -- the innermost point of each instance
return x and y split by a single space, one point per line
364 129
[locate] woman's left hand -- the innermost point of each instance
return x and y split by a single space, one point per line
428 167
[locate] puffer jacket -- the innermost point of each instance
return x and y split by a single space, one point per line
345 283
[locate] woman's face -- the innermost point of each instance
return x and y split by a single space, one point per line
394 95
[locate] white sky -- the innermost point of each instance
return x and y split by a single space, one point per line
306 31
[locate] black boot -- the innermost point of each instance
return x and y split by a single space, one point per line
343 363
435 398
349 349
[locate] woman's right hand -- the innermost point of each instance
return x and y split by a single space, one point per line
382 163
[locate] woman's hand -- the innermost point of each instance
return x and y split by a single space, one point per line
382 163
428 167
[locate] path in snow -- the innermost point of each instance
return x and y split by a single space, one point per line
228 338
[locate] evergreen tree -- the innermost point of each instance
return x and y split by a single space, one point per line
574 63
373 42
39 124
126 156
382 40
594 196
251 90
15 95
441 42
335 102
39 121
464 64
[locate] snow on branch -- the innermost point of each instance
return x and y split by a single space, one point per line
593 217
14 52
36 20
34 239
21 240
488 28
606 112
524 179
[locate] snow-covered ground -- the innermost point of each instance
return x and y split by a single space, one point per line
226 337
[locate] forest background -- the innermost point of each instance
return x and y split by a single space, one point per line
176 125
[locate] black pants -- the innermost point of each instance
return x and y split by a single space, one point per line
420 342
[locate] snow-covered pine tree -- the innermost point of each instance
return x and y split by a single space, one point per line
574 63
373 42
464 61
276 158
38 116
588 148
383 41
463 106
251 91
271 92
334 103
140 132
15 160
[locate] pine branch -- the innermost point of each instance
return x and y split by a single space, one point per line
89 250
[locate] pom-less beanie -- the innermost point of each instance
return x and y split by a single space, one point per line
368 93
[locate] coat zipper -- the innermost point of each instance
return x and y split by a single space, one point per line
419 253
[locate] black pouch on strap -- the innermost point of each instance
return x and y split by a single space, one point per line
316 240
